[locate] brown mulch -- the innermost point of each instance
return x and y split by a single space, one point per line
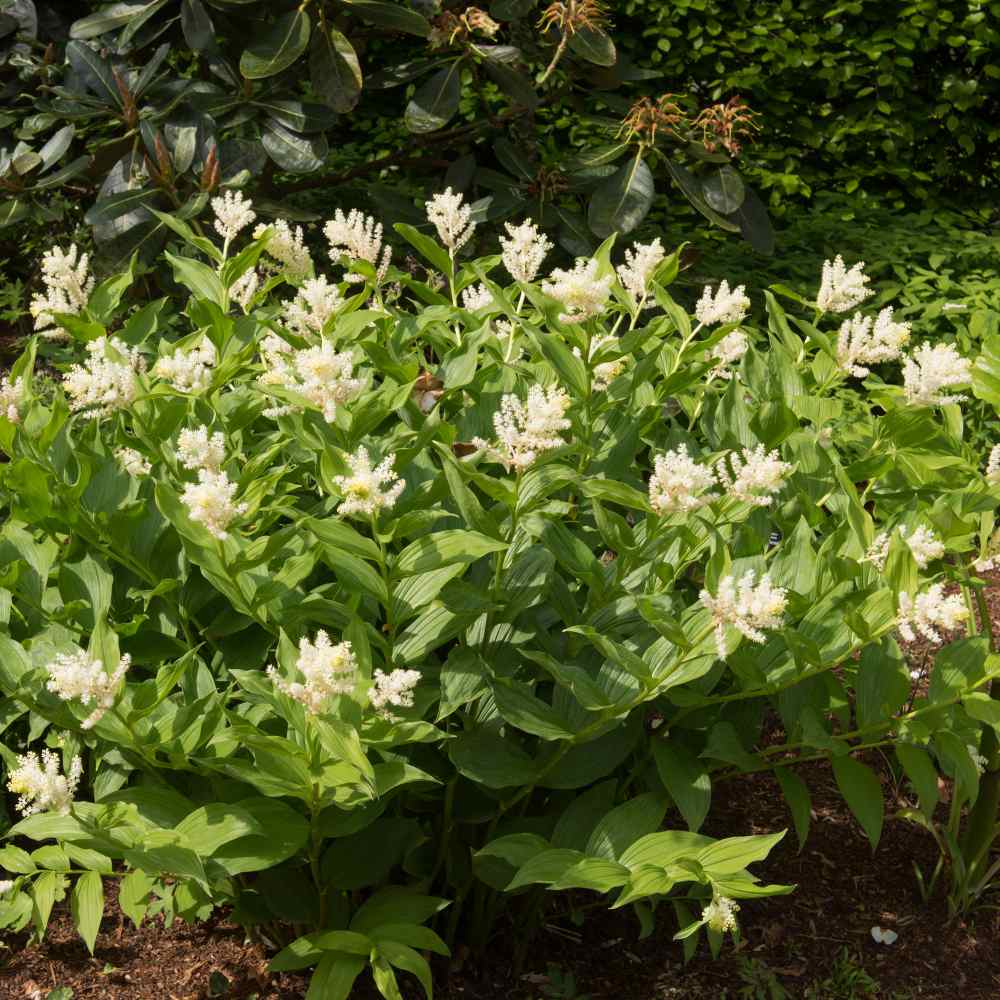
843 889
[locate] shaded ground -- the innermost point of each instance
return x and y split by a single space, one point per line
812 943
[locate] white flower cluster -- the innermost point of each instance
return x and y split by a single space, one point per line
362 489
287 246
930 611
196 449
321 374
993 466
679 483
5 886
451 218
244 288
12 397
210 502
727 306
878 551
525 430
188 371
133 462
730 349
358 236
924 545
68 284
754 476
76 675
524 251
932 369
720 914
841 289
476 297
605 372
863 341
395 688
314 305
580 292
233 213
40 785
106 381
326 669
747 606
640 265
978 759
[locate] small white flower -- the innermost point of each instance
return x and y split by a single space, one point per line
244 288
640 265
360 237
978 759
730 349
106 381
362 489
314 305
864 342
747 606
196 449
525 430
233 213
286 246
68 285
5 886
878 551
924 544
679 483
133 462
12 397
993 466
77 676
932 369
604 373
210 502
476 297
580 292
451 218
189 371
40 785
395 688
726 307
841 289
325 377
326 669
720 914
755 476
882 935
525 250
931 610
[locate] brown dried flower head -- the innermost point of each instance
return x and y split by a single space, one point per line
453 29
570 16
647 117
727 125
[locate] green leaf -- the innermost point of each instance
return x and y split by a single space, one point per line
436 101
431 251
685 779
278 47
520 707
334 70
208 827
334 977
921 771
862 791
199 278
404 957
133 895
622 201
298 154
43 896
732 855
196 23
723 190
691 189
986 372
594 45
491 760
395 905
112 16
797 796
87 907
626 824
390 16
445 548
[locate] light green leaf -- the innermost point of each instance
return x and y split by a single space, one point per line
87 907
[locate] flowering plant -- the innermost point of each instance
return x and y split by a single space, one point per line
358 602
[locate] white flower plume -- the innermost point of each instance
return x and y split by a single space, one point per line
525 430
68 284
754 475
863 341
106 381
210 502
363 488
524 250
679 483
727 306
327 669
748 607
41 786
77 676
928 612
931 370
451 218
580 292
841 289
359 237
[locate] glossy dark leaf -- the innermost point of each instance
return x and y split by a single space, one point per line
53 150
724 190
755 223
107 209
295 153
196 23
13 210
433 105
278 47
94 71
623 200
689 185
111 18
594 45
514 84
390 16
334 70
